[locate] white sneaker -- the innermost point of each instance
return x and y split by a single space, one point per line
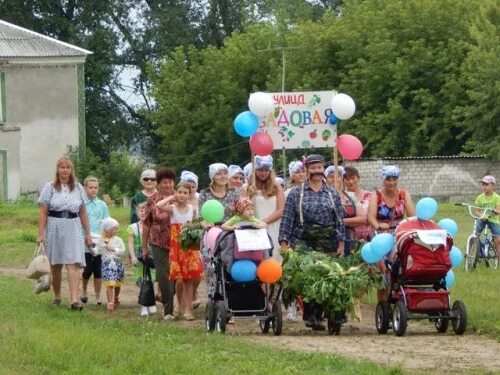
291 318
144 311
169 317
152 310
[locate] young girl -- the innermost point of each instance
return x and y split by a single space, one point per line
243 211
112 267
185 266
134 246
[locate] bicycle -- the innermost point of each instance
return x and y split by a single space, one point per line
479 245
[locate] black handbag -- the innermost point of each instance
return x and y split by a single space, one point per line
149 261
147 292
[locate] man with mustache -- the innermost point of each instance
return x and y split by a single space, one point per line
313 220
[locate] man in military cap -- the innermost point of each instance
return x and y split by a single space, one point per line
313 220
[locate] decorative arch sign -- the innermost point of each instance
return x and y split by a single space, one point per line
301 120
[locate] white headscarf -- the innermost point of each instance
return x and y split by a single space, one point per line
233 170
109 223
264 162
247 170
188 176
390 171
213 169
294 167
331 169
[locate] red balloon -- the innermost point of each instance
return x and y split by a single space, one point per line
261 143
349 147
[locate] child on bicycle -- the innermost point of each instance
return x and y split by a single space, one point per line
489 199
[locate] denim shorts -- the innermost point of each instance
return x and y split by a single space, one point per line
494 227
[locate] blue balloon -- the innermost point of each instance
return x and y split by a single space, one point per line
450 279
456 256
246 124
243 271
449 225
426 208
333 119
368 255
382 243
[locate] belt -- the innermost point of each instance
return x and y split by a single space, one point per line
63 214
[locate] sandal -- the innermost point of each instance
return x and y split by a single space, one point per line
56 302
188 317
84 299
111 307
117 302
76 306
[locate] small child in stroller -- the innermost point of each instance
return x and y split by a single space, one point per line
243 211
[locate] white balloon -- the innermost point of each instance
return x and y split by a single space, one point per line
260 103
343 106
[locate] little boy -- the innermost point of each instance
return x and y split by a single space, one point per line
243 211
489 199
97 210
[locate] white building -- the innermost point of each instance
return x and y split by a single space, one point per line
42 107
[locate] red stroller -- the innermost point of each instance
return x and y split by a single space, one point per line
417 288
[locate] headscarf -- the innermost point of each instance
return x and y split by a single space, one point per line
233 170
264 162
188 176
280 181
213 169
242 204
390 171
294 167
331 169
108 224
247 170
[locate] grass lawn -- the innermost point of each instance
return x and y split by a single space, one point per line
38 338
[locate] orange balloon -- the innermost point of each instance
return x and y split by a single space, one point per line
269 271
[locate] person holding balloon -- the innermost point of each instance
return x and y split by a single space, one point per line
313 220
268 198
236 176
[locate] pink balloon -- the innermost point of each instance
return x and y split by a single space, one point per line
211 237
261 143
349 147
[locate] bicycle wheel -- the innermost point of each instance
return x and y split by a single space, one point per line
472 253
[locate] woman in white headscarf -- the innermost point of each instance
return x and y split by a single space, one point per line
192 180
297 172
236 176
268 198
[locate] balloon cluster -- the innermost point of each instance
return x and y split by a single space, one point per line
372 252
268 271
247 123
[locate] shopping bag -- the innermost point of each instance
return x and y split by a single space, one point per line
39 265
147 292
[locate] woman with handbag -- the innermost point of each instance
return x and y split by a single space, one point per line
61 218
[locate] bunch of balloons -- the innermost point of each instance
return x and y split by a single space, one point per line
244 270
380 245
343 108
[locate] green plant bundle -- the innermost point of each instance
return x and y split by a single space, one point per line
331 282
191 234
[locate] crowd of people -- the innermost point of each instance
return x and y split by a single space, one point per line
322 208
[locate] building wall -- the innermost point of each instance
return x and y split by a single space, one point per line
43 102
437 177
10 176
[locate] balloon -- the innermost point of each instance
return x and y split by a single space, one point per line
456 256
261 143
212 211
449 279
246 123
343 106
382 243
269 271
349 146
449 225
368 255
260 103
243 271
333 119
426 208
211 237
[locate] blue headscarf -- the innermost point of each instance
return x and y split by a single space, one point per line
390 171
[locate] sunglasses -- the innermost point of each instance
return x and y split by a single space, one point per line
148 179
484 183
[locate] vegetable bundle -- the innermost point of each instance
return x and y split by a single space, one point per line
191 234
331 282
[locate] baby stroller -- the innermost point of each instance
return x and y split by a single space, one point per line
231 299
417 287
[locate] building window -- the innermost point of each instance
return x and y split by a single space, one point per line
3 110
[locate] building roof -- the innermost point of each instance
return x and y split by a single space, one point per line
17 42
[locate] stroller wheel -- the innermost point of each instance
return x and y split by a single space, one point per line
220 317
442 323
459 324
399 318
382 317
265 325
210 316
277 319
